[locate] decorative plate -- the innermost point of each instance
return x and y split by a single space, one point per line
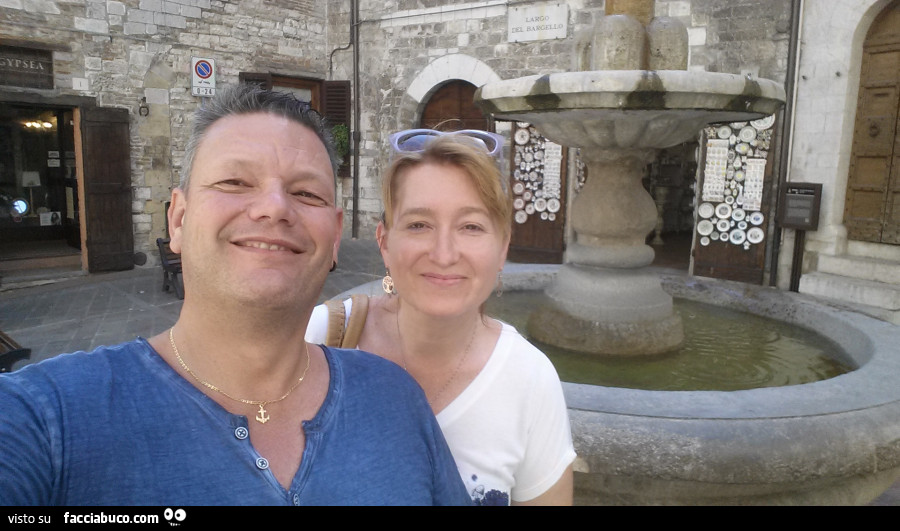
714 236
704 241
521 216
738 214
706 210
539 154
551 217
747 134
529 208
739 175
755 235
723 225
523 125
553 205
742 225
741 149
723 210
518 188
540 204
705 227
522 137
763 123
519 203
527 195
543 215
723 132
756 218
737 236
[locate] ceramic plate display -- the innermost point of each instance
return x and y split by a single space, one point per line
741 149
706 210
723 132
756 218
714 235
705 227
742 225
551 217
553 205
739 175
737 236
755 235
519 203
723 210
518 188
540 204
543 215
704 241
738 214
763 123
539 154
747 134
529 208
527 195
729 198
521 216
522 136
723 225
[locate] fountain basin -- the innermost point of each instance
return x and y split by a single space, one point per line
832 442
644 109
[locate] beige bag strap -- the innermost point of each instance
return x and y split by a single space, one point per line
357 320
338 335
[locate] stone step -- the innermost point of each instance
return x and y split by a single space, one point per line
861 268
11 266
878 299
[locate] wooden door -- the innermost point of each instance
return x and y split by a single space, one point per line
106 147
734 201
872 207
538 184
452 108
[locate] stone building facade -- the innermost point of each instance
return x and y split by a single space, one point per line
122 54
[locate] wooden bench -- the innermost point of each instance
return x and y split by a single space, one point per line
11 352
171 267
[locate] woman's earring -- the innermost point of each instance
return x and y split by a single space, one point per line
500 284
387 283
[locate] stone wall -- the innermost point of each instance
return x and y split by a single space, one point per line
119 52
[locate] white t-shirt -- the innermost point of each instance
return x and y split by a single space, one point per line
509 429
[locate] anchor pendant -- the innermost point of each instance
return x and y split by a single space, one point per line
262 417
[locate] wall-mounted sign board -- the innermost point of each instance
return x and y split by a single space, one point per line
799 206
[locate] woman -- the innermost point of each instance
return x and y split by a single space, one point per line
444 240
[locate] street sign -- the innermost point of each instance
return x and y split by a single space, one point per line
203 76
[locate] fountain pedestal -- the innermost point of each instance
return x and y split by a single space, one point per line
604 300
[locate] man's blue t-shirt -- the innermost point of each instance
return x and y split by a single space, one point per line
118 426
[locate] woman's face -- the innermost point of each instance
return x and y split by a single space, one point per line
443 249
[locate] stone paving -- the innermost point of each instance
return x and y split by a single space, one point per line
84 312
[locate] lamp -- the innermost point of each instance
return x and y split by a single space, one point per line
31 180
144 109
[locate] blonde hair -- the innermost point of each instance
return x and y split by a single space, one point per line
466 154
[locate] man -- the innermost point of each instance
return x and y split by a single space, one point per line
231 405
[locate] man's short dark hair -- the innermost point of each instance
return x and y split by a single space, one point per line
246 98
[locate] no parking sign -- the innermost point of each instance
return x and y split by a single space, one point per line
203 76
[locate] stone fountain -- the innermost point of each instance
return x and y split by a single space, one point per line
629 97
835 441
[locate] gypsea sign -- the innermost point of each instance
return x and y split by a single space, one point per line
26 67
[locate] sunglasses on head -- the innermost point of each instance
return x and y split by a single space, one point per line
415 140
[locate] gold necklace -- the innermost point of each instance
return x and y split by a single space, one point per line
262 415
459 365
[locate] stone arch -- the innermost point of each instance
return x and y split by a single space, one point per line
438 72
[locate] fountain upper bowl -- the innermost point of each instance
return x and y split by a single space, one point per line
644 109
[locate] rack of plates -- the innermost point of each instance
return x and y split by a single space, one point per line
537 175
733 180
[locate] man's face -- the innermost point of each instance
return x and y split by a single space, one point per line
258 223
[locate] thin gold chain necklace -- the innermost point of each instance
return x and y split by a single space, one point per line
262 415
459 365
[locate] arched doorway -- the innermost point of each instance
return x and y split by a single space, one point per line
872 209
452 108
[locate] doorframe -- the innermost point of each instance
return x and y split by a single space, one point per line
76 103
